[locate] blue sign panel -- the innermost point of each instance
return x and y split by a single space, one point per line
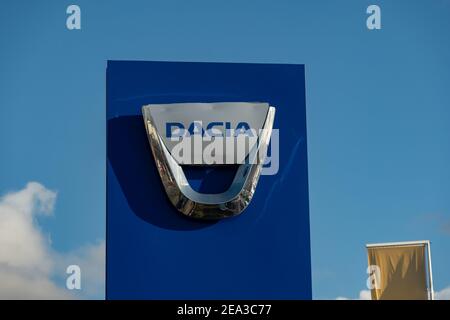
154 251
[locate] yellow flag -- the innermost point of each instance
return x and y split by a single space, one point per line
399 272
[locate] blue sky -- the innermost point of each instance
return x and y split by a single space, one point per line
378 111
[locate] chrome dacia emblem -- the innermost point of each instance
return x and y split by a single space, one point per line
209 134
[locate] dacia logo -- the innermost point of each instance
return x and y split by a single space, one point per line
213 129
193 136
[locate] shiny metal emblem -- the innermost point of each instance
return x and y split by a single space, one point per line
235 124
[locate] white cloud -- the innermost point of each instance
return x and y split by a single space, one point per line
28 265
444 294
22 244
363 295
91 260
17 285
